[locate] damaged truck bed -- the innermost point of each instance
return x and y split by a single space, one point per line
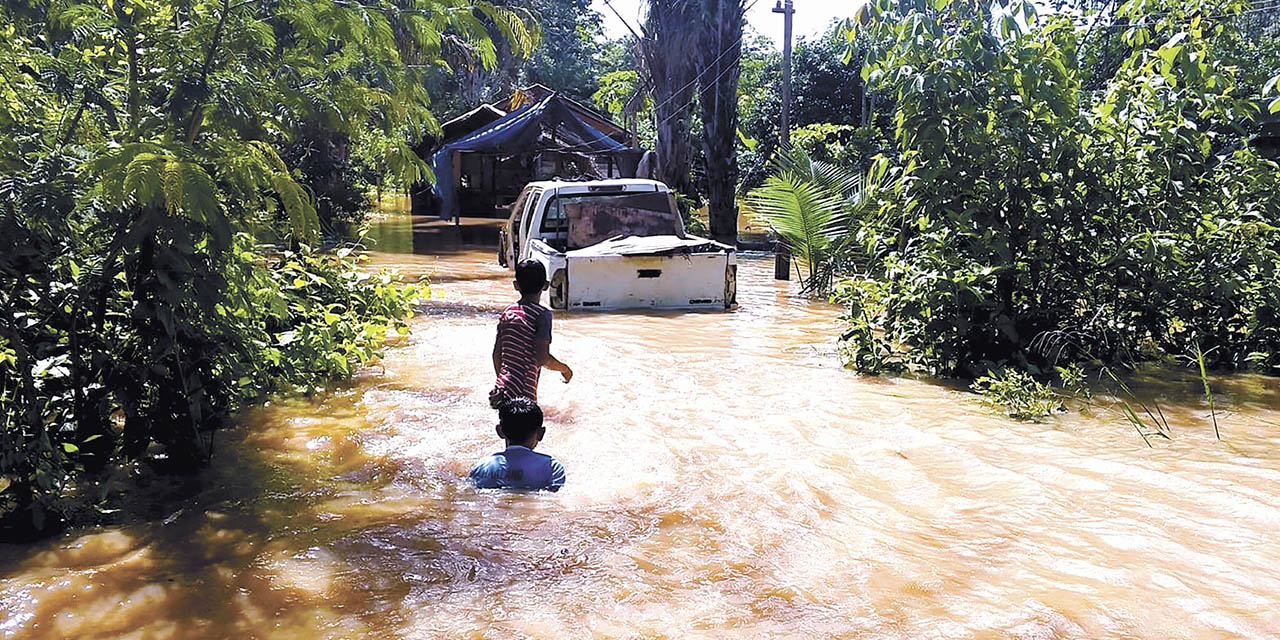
617 244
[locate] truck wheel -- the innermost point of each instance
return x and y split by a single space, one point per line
559 290
502 249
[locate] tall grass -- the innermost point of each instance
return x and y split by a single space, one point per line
1208 392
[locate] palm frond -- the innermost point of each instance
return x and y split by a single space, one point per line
842 180
810 205
804 215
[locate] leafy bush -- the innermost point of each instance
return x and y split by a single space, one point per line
175 358
1017 394
140 153
1026 222
843 145
327 316
1072 379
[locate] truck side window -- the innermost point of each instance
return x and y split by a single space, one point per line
554 218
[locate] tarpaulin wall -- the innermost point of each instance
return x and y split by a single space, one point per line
521 131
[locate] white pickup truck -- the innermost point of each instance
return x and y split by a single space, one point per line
617 244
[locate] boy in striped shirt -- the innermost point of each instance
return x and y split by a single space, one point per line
523 344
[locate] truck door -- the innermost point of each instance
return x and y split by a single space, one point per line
521 226
509 248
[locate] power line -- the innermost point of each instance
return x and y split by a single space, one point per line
695 79
624 20
713 63
683 107
695 97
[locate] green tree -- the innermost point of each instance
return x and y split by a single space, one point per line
623 94
825 90
1027 220
140 156
563 59
566 59
670 43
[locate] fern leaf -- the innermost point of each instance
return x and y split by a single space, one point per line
403 163
200 194
173 185
142 179
303 222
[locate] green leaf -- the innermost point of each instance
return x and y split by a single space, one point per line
1270 86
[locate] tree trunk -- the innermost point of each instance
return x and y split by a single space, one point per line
721 53
670 49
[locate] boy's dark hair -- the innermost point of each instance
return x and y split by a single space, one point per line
519 418
531 277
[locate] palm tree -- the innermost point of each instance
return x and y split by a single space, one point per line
670 50
719 69
810 205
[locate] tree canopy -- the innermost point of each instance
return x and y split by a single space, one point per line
141 161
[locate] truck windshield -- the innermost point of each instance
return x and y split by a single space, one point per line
585 219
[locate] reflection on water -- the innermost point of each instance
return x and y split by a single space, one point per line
726 479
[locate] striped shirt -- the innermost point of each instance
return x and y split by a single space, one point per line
518 328
519 468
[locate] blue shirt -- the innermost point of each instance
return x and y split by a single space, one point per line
519 468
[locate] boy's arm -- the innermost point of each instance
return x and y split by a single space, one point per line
542 347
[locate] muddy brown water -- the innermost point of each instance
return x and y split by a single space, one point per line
726 479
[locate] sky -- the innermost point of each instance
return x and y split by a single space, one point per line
811 17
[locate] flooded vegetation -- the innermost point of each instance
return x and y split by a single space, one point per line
222 419
726 478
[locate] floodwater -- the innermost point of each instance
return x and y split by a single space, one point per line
726 479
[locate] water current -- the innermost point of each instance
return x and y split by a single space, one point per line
726 479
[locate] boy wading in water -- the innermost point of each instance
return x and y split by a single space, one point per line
519 467
523 345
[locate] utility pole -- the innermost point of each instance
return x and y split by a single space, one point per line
781 256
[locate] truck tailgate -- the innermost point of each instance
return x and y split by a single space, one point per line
636 281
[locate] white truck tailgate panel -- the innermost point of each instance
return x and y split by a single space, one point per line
658 282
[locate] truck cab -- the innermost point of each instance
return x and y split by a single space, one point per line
617 244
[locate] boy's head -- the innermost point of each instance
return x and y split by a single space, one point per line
520 422
531 277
